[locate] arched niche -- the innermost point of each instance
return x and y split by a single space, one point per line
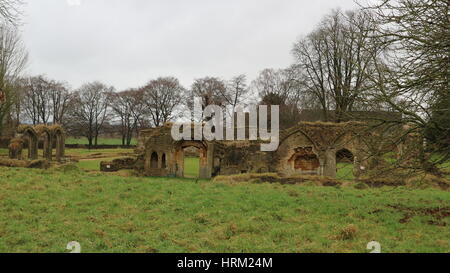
31 137
305 161
154 160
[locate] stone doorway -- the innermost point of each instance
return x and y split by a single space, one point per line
185 162
191 162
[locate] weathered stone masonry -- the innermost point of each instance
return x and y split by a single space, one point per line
309 148
31 135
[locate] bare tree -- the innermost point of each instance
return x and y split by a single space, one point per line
44 99
125 106
413 76
139 110
10 11
89 110
336 58
237 91
36 100
60 97
284 83
162 96
280 87
13 59
211 91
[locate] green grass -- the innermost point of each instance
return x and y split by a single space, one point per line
191 167
92 164
344 171
101 141
43 210
89 165
86 153
89 160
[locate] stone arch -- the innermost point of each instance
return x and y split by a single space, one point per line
58 137
345 155
31 136
289 133
358 156
206 161
46 135
324 138
154 160
295 143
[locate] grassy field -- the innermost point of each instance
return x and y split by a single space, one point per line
89 160
344 171
191 167
101 141
43 210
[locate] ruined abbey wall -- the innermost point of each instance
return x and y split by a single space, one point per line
306 149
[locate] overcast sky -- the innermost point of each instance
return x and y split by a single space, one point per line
126 43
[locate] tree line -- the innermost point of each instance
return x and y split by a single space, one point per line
86 111
392 55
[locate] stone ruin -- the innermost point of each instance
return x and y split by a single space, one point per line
309 148
31 136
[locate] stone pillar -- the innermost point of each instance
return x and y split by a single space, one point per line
32 148
330 163
203 173
171 163
147 161
45 148
159 160
210 161
322 166
179 163
60 147
63 145
48 148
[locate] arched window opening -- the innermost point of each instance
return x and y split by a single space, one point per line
154 161
344 164
344 156
163 161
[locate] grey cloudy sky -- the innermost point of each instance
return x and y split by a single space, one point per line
125 43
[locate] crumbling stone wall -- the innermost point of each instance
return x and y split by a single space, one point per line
15 148
239 157
50 135
125 163
309 148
